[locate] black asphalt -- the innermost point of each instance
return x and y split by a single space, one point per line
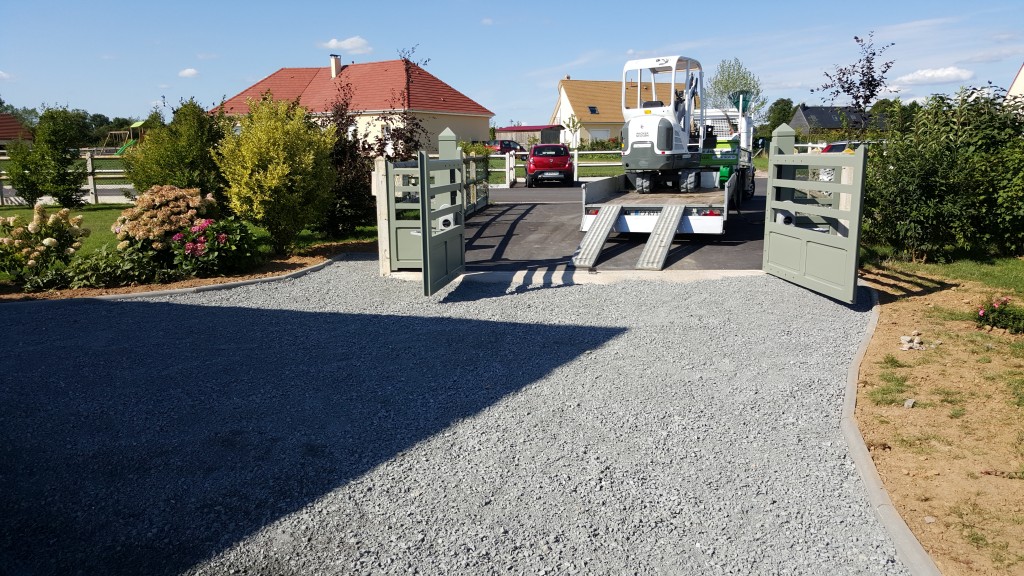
540 227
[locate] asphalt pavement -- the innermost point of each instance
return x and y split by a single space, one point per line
540 228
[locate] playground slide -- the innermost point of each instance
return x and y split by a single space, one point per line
126 146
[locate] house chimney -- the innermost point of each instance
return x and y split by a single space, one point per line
335 65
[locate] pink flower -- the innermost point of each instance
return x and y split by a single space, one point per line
222 238
195 229
178 237
981 312
201 240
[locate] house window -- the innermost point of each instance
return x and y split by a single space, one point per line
593 109
600 134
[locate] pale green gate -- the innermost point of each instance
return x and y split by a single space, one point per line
813 217
427 201
441 221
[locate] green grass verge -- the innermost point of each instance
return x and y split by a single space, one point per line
1001 273
893 390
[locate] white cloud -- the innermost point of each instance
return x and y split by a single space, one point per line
947 75
189 73
994 55
4 75
353 45
487 21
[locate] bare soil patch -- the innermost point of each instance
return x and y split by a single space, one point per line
276 266
953 463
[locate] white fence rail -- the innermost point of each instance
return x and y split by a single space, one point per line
97 191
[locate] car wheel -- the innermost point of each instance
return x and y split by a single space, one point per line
529 181
568 180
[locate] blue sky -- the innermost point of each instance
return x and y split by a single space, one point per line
123 58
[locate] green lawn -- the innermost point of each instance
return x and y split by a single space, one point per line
1001 273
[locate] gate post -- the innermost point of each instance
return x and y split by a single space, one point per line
783 142
380 190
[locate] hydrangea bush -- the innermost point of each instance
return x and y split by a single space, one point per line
159 213
32 249
210 247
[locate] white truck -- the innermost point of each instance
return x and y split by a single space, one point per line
685 166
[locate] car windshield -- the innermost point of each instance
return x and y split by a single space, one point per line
550 151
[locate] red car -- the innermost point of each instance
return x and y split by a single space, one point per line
549 162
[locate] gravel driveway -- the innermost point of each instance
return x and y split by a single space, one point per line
341 423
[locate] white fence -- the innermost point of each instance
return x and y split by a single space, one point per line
513 160
98 192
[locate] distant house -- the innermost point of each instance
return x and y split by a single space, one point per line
811 119
12 130
377 87
1017 86
597 105
543 134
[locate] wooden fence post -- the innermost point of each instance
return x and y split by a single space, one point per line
91 170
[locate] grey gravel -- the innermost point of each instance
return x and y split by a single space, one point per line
341 423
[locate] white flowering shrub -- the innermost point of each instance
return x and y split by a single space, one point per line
31 249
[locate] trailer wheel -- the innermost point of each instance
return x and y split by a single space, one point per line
643 183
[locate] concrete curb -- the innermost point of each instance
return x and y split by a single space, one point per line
907 545
225 285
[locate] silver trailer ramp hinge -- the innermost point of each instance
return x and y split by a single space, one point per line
593 241
656 249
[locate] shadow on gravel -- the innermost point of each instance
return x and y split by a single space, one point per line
144 438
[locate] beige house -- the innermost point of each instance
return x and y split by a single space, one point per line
597 105
377 88
1017 86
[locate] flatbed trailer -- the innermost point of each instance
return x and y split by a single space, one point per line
610 205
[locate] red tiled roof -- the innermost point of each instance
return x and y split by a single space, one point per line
12 129
376 86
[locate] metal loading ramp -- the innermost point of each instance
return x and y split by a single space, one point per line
657 246
593 241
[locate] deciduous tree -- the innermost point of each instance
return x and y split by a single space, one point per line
730 77
50 165
863 80
179 154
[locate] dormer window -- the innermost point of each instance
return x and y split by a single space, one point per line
593 109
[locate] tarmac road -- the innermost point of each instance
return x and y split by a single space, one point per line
539 228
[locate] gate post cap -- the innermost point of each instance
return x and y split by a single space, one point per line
783 130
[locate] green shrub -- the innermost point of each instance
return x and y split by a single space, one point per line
210 248
609 144
278 169
475 149
32 249
179 154
999 313
949 180
105 268
51 165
